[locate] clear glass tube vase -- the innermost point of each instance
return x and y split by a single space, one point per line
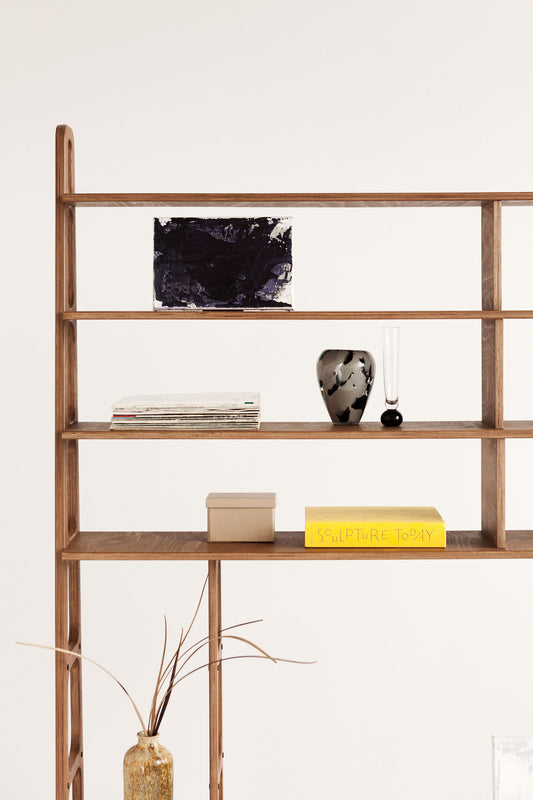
391 417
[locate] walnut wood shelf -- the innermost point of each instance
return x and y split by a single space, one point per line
288 546
290 200
72 546
293 316
519 429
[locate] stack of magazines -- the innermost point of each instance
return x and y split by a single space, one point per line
220 411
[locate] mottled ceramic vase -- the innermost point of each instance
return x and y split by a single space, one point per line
148 770
345 378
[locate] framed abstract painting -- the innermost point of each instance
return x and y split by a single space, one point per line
223 263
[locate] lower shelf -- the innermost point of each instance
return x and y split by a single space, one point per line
289 545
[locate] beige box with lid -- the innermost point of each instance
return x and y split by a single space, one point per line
240 516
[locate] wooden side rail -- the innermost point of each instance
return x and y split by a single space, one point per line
69 773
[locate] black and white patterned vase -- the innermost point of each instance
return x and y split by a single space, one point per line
345 378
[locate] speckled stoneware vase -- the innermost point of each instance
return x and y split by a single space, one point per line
148 770
345 378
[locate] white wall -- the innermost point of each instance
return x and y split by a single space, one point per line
419 663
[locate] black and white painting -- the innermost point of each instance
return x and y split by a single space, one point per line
230 262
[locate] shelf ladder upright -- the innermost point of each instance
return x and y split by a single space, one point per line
493 452
69 751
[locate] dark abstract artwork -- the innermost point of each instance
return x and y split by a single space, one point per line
230 262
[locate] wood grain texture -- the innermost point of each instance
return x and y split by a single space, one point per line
492 372
491 300
493 490
491 256
75 767
443 429
293 316
216 786
75 755
75 752
289 200
519 541
288 546
521 427
492 453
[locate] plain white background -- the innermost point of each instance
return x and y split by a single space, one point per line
419 663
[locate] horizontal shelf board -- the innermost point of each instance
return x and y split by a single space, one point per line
316 430
336 199
193 546
221 314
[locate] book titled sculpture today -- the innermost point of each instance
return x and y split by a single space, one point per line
374 526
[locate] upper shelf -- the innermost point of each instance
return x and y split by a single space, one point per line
309 200
224 315
461 429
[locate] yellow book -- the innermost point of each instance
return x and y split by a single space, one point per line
374 526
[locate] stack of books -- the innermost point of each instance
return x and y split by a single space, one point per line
220 411
374 526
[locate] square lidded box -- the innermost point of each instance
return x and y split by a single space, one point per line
240 516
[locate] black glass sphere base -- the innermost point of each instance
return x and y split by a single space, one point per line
391 418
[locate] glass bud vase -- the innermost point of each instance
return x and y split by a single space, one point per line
391 417
148 770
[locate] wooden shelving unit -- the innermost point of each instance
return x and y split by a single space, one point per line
73 545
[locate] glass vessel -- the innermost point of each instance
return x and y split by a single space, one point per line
391 417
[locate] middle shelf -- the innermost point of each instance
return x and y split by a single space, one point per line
445 429
288 546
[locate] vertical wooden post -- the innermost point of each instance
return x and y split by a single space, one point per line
492 450
68 618
215 683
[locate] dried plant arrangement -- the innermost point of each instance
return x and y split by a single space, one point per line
178 667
